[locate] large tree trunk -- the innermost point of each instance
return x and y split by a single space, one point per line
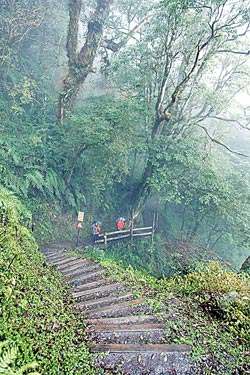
81 63
166 106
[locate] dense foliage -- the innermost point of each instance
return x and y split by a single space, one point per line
150 130
39 329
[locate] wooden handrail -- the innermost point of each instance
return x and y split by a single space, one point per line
144 228
120 234
142 234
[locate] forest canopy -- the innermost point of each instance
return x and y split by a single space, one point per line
129 108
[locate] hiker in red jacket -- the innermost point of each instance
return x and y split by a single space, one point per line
120 223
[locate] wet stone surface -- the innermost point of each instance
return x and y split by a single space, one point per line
153 337
146 363
113 312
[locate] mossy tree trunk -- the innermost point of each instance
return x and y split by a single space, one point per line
80 64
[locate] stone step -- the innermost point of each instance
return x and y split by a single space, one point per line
117 313
101 291
83 271
76 266
141 348
65 261
92 285
100 302
81 266
130 334
71 264
49 252
55 248
86 278
129 319
163 359
116 310
55 256
141 328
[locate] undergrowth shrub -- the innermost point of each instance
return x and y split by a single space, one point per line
219 346
224 294
140 254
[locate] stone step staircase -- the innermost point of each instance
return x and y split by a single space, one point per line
125 336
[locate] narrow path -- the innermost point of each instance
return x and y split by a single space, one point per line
124 335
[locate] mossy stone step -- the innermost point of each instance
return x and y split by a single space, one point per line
118 309
55 256
128 328
129 319
92 285
140 348
61 261
72 264
76 266
98 291
94 303
87 277
83 271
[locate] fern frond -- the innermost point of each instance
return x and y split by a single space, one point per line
70 199
54 183
1 346
81 199
28 366
7 358
36 179
23 186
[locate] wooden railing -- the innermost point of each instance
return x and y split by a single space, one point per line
127 233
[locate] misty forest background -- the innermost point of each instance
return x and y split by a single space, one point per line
132 108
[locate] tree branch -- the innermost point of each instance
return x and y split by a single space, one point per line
234 52
230 120
116 46
220 143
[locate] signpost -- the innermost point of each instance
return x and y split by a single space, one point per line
80 216
79 225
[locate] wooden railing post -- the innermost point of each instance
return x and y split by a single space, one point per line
153 230
132 229
105 239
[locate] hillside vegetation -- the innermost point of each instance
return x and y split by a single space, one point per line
40 334
209 308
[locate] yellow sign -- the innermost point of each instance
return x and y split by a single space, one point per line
80 216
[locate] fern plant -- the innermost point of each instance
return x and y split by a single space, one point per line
8 356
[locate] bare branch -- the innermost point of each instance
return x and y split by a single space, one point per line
115 46
230 120
234 52
220 143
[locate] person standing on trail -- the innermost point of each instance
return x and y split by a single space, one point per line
120 223
96 230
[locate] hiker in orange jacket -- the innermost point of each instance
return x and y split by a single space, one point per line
120 223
